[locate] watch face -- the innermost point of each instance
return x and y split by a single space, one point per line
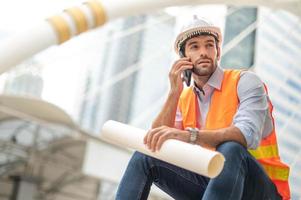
193 137
193 134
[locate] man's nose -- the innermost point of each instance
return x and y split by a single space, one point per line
202 52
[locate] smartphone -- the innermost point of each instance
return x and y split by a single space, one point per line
187 73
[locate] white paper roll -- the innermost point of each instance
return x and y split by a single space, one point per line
188 156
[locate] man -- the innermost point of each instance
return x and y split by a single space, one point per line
225 110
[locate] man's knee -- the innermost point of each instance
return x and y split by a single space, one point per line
236 157
141 159
138 157
231 149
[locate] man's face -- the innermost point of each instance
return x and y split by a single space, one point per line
203 53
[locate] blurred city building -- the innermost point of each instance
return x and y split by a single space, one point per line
278 50
25 80
128 82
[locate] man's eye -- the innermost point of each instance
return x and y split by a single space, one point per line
209 45
194 46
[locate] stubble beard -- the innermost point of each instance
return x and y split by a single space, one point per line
205 70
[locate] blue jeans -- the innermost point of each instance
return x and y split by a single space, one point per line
241 178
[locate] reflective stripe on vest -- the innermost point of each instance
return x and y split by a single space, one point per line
223 106
268 151
276 172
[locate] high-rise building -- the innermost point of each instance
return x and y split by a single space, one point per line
131 79
239 39
122 88
278 50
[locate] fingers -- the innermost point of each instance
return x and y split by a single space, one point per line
161 140
175 74
156 137
184 67
152 136
181 65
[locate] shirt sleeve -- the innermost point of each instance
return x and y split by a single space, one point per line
252 117
178 119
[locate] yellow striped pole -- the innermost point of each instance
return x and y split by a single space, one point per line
54 30
79 18
61 27
98 12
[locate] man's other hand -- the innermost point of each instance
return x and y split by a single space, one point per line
157 136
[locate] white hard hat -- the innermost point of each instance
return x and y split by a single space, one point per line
194 28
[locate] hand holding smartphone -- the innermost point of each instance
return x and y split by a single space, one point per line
186 74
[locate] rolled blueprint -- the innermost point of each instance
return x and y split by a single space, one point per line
188 156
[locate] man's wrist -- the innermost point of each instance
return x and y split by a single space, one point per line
175 91
194 132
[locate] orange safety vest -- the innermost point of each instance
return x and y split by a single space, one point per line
223 106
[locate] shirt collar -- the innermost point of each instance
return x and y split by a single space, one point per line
215 79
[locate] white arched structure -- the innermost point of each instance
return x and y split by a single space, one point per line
92 14
91 154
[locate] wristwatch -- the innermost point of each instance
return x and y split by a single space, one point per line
193 134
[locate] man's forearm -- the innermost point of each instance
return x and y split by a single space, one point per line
167 115
212 138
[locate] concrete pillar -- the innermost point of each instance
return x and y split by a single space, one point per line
24 188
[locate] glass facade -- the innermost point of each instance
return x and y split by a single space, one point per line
239 39
272 49
132 80
278 50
